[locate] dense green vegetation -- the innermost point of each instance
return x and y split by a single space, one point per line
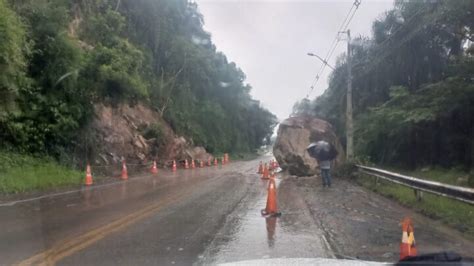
413 87
58 58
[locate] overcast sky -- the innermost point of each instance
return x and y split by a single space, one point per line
269 41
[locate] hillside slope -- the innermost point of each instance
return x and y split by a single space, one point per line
98 80
137 134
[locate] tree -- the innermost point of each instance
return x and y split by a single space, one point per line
412 94
13 48
122 52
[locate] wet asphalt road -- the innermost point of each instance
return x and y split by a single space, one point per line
207 216
172 218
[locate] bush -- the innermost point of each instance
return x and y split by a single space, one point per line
345 170
154 131
114 72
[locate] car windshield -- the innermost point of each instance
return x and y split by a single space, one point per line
248 132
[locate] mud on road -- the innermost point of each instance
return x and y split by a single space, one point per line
361 224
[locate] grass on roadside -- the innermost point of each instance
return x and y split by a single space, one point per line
454 176
454 213
23 173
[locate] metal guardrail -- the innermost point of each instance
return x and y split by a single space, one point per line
454 192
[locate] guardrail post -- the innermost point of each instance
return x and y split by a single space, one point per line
418 194
376 181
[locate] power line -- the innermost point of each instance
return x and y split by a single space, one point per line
344 29
356 4
336 40
333 46
345 23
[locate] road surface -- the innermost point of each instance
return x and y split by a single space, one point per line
210 216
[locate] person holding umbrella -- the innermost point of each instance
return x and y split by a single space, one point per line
324 153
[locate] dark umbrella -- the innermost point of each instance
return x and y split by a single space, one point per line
322 151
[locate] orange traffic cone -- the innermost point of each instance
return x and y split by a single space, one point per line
154 169
260 168
215 161
124 171
193 165
186 165
209 161
407 246
201 164
174 165
271 209
88 180
265 174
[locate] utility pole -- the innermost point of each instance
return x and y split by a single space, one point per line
349 113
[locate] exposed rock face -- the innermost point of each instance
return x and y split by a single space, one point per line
181 149
119 133
294 135
198 153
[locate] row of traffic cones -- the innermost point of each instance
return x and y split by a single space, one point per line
154 169
267 170
407 245
272 165
124 176
224 160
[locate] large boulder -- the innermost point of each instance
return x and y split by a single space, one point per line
294 135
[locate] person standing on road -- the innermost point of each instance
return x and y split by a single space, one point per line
324 153
325 167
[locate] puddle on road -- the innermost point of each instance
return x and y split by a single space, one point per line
247 235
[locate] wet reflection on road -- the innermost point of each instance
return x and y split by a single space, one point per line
248 235
271 225
35 225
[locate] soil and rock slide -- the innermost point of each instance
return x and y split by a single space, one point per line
138 134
